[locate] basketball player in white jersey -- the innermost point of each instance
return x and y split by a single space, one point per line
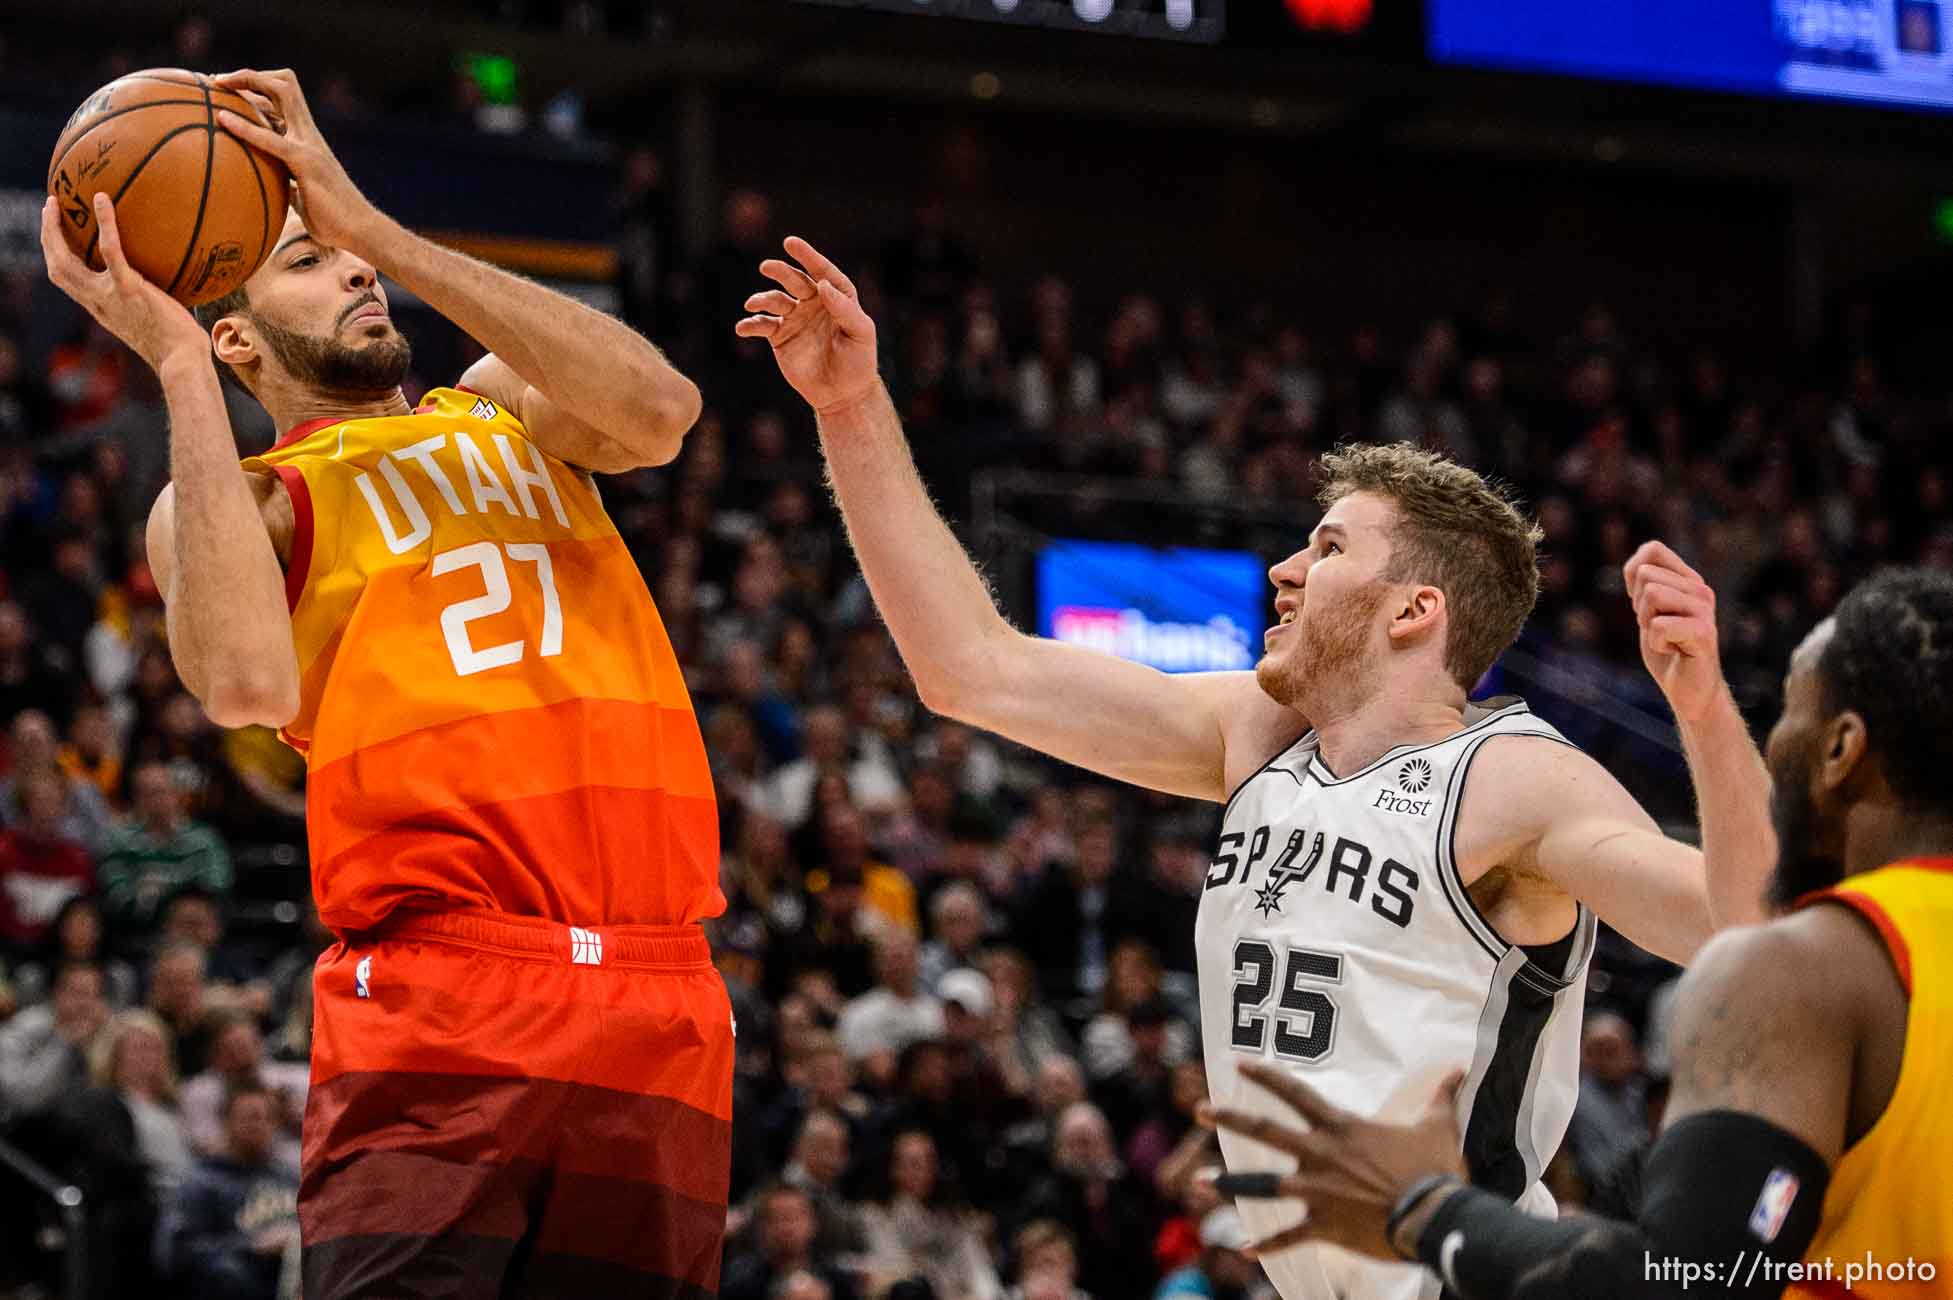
1406 883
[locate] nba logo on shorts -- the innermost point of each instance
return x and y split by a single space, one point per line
361 973
1773 1206
586 947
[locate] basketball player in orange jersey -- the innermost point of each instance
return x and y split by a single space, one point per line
1806 1145
522 1056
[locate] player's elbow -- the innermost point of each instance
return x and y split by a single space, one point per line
668 416
252 697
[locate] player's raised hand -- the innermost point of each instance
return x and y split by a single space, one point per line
822 339
335 212
1676 611
1349 1171
153 324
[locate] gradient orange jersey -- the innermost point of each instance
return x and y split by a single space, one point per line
491 713
1887 1212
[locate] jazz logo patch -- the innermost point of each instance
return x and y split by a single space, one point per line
361 973
1773 1205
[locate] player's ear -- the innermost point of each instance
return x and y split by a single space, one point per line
1842 756
1421 611
234 342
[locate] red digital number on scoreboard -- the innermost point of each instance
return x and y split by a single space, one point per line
1331 15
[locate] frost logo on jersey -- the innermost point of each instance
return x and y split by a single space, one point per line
362 973
1268 899
1773 1205
1414 776
586 947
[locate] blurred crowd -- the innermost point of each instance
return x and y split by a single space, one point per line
968 1040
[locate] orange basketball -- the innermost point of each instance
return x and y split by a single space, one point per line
198 209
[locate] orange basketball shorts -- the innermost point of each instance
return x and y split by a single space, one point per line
505 1106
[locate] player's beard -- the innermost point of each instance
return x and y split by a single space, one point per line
326 363
1332 649
1803 864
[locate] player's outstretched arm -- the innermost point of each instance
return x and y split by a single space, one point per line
1102 713
609 400
1676 610
229 629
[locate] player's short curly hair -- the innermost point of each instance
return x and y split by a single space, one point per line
1890 661
1455 530
234 303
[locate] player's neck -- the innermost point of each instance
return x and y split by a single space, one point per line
1356 733
301 406
1881 834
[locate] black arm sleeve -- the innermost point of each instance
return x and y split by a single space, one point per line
1730 1200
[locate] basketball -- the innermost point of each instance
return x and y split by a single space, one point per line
198 209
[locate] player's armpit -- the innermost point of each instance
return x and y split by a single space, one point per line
1549 810
555 430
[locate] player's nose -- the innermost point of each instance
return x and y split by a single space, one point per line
1292 572
358 272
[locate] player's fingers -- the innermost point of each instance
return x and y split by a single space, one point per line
279 146
1261 1129
1657 600
1662 556
1676 632
788 276
1301 1098
772 301
846 312
68 272
266 109
818 265
756 327
118 266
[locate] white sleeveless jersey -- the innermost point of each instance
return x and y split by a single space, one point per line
1336 941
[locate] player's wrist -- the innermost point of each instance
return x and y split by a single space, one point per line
1415 1208
854 405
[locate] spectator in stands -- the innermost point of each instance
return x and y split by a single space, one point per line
914 1227
826 740
1071 920
1611 1117
878 1025
816 1165
158 853
1106 1210
959 919
76 934
123 1144
784 1230
232 1226
180 998
840 845
1034 1034
29 677
237 1060
1225 1270
1134 983
44 1049
92 753
40 868
1047 1263
85 815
